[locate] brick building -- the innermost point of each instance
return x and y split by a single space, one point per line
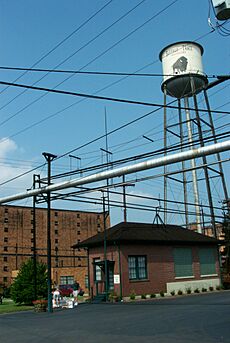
150 258
17 234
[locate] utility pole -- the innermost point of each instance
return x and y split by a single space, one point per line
49 158
124 199
105 249
34 241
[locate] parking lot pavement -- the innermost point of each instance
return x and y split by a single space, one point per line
191 319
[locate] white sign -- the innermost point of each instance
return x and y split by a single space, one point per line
116 279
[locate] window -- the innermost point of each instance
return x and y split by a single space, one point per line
5 279
6 229
56 232
5 239
207 261
66 280
6 220
78 224
79 232
78 215
56 214
97 270
137 267
6 210
183 262
32 231
5 248
5 268
56 223
56 241
32 240
5 258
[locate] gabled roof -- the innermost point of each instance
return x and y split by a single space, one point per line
148 234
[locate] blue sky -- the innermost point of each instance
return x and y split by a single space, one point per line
31 29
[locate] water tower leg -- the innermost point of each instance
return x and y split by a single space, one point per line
206 174
165 153
215 141
183 166
193 165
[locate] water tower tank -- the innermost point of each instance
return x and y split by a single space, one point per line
222 9
182 69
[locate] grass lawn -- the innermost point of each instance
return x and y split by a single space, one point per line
8 306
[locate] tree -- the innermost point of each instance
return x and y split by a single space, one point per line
22 290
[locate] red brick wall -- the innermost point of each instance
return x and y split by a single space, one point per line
160 267
67 227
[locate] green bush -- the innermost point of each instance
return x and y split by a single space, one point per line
172 293
22 290
218 288
188 290
152 295
196 290
132 296
180 292
211 288
162 293
204 289
143 296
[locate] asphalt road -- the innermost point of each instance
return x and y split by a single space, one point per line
192 319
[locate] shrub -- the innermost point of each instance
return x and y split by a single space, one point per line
204 289
143 296
152 295
132 296
196 290
180 292
22 290
172 293
218 288
188 290
211 288
162 293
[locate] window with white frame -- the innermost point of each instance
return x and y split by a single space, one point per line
137 267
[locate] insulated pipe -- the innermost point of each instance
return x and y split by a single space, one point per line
152 163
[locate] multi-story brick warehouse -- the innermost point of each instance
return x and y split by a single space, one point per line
17 232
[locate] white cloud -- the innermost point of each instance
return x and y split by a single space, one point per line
9 151
6 146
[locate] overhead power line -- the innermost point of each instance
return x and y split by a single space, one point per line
58 45
109 73
69 57
98 56
98 97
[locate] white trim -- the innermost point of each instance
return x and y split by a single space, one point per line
184 277
206 275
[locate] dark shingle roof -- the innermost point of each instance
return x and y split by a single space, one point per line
147 233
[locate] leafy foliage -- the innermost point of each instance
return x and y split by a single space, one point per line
22 290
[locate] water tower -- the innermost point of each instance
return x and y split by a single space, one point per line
185 80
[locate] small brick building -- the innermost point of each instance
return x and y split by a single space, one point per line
150 258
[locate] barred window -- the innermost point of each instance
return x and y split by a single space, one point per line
137 267
66 280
